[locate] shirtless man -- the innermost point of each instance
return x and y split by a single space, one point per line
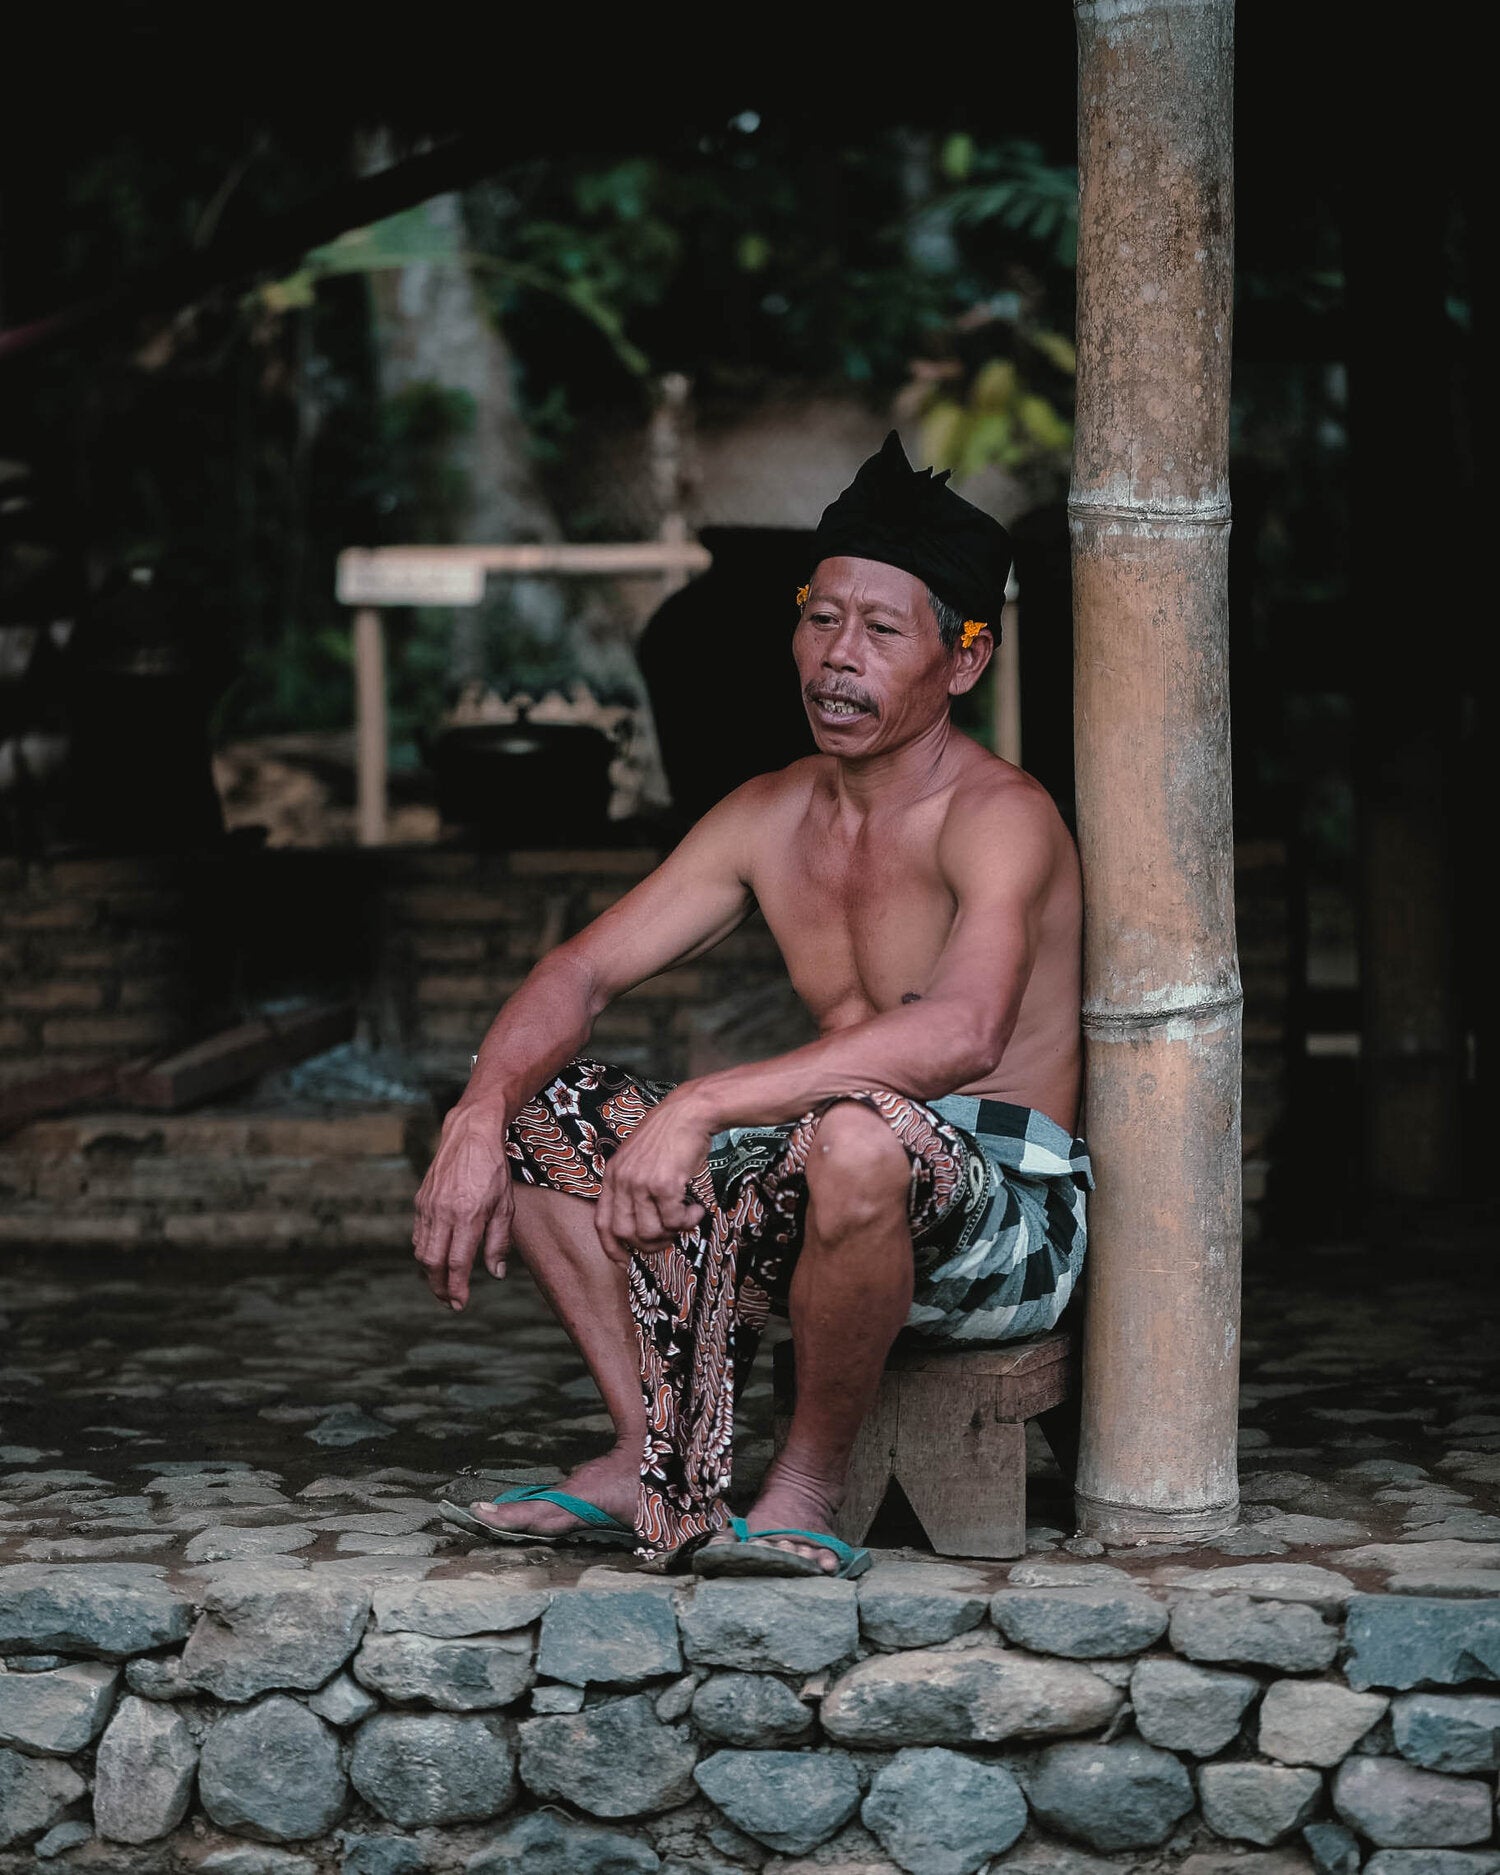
925 896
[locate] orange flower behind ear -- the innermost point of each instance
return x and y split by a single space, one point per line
972 628
802 592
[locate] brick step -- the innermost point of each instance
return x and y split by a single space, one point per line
46 1227
217 1178
179 1181
226 1133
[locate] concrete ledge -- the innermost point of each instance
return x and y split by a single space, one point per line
392 1715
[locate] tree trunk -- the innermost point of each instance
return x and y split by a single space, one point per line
1150 513
432 328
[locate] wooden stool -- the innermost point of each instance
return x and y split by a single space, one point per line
949 1425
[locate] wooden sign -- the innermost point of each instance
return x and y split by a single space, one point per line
368 576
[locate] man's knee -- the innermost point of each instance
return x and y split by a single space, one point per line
544 1219
858 1174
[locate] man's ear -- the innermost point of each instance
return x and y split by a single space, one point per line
969 665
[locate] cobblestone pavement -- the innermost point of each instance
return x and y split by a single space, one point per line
190 1413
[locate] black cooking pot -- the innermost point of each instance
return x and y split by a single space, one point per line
523 784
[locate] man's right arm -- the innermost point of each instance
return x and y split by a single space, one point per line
693 900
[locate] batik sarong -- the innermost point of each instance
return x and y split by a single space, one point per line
997 1212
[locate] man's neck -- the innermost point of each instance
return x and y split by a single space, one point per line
897 776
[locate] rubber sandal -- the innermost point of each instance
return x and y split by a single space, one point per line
749 1556
598 1525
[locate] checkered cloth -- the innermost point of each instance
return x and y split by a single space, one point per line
1012 1262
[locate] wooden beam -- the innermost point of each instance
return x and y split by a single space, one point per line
574 559
235 1056
54 1090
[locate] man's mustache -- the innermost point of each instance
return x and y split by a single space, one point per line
840 693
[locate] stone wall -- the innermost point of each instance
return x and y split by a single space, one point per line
920 1719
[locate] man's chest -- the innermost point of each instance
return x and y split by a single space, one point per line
859 921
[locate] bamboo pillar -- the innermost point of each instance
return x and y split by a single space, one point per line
1149 512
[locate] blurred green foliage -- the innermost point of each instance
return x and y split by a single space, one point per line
763 260
243 441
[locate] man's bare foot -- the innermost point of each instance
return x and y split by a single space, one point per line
787 1504
612 1483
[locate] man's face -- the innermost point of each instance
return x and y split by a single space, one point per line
874 671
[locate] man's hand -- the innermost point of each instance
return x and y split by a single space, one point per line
465 1201
645 1200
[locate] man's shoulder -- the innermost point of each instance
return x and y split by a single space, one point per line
999 811
756 807
989 788
782 787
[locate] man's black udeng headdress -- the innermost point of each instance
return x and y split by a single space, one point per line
910 518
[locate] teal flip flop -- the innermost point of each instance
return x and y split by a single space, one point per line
751 1555
598 1525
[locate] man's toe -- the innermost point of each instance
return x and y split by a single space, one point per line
485 1511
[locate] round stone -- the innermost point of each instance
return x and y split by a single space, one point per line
1315 1721
419 1769
1187 1708
545 1843
1125 1796
1238 1631
54 1714
982 1696
1086 1623
261 1633
472 1674
35 1793
143 1775
609 1637
1400 1807
1448 1731
613 1759
789 1800
60 1840
272 1772
939 1813
1259 1803
750 1709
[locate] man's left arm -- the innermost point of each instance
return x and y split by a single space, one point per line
998 857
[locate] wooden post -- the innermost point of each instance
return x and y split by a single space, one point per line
1149 512
668 449
371 736
1008 678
